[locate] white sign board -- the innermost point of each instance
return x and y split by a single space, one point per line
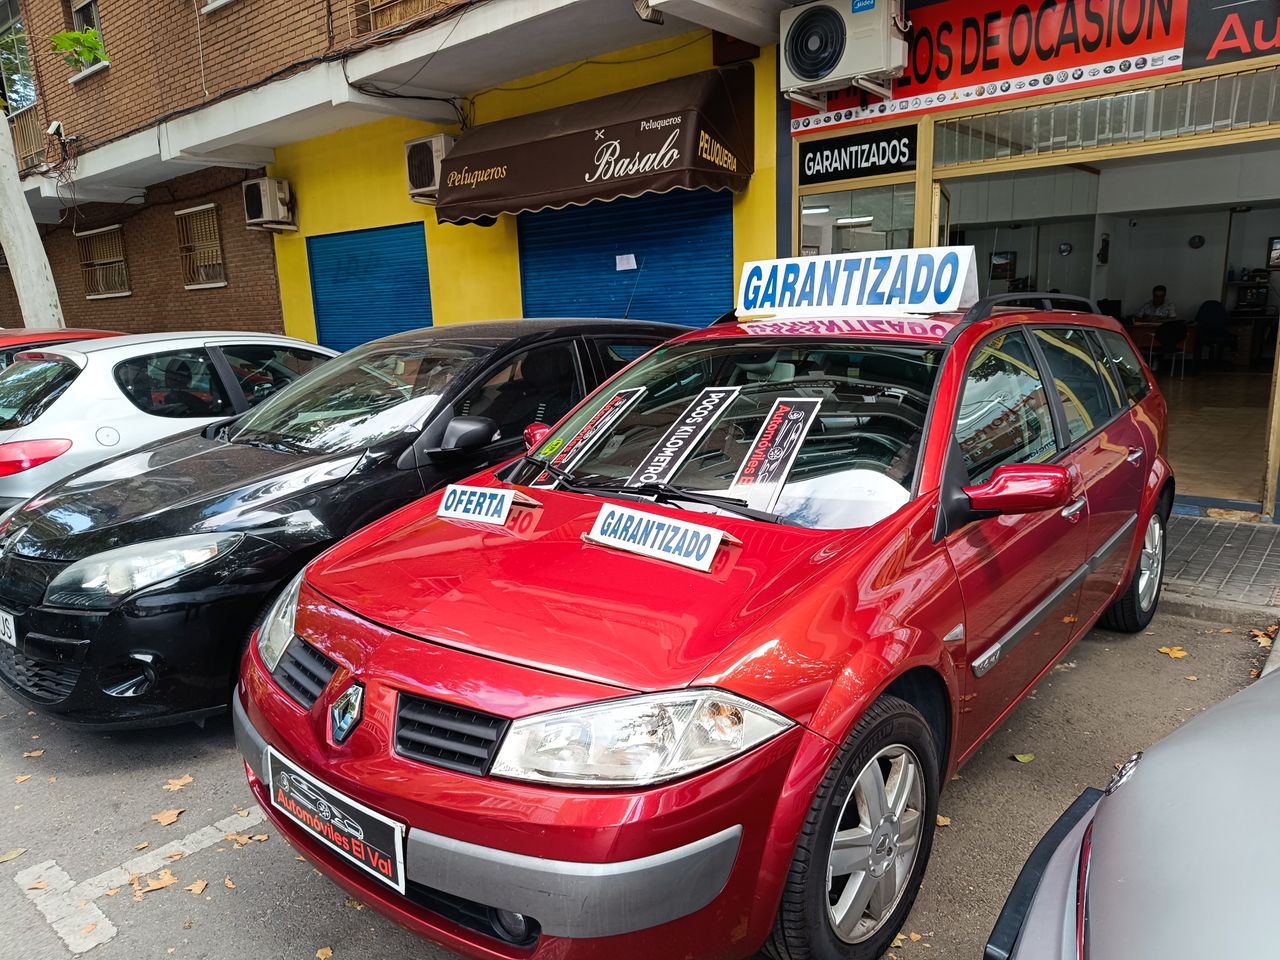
477 504
880 283
650 535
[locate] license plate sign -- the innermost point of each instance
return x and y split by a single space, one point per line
8 629
371 841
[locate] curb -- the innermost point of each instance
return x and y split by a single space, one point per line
1227 611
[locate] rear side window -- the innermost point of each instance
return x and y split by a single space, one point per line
1120 353
178 384
616 354
1004 411
1078 378
29 387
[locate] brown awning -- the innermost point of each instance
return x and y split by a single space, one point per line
687 133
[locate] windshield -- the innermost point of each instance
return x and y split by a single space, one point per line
824 435
28 387
361 399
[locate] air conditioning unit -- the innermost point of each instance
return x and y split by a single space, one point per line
833 44
268 203
424 158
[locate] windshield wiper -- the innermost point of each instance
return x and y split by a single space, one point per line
661 490
561 476
279 444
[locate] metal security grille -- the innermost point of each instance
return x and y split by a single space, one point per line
200 247
447 736
102 263
1178 111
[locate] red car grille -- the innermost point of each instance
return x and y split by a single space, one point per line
447 736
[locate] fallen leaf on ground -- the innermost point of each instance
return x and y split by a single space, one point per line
179 783
13 854
1226 630
324 953
354 904
175 856
226 882
914 937
1175 653
112 892
898 941
53 779
22 779
142 846
1067 619
1264 640
944 821
167 817
39 885
242 813
197 888
260 837
240 839
88 930
1024 757
164 878
1191 677
1253 674
33 753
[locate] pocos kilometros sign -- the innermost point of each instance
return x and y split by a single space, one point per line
963 52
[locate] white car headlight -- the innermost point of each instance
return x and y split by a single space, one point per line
276 632
101 581
635 741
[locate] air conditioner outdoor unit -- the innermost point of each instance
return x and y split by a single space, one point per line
268 203
424 158
832 44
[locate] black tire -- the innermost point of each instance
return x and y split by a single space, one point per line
803 929
1127 614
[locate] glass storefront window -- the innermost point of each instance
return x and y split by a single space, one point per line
850 221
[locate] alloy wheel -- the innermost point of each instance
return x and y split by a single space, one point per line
1151 562
875 845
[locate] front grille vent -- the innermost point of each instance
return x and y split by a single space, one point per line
39 679
447 736
304 672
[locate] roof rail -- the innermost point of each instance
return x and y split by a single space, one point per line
1031 301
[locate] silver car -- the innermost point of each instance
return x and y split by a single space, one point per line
1176 860
67 406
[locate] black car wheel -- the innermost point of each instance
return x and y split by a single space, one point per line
1133 611
865 843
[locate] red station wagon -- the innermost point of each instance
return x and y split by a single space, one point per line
686 680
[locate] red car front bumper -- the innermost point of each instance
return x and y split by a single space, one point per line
691 868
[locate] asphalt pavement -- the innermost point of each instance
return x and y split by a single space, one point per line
82 813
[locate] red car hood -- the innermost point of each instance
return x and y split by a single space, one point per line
534 593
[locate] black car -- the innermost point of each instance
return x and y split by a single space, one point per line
128 591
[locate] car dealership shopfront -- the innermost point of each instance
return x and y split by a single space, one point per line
1098 147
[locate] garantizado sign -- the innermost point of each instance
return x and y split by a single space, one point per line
965 52
857 155
692 132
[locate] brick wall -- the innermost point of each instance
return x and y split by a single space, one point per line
159 301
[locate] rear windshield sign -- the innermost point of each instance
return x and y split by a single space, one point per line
877 283
651 535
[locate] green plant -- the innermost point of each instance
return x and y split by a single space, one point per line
79 48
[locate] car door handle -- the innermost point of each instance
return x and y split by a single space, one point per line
1072 510
1135 455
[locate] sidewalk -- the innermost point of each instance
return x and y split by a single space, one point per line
1220 570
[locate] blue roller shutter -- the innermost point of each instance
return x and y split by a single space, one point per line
368 284
682 242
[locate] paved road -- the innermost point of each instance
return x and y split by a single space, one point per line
90 798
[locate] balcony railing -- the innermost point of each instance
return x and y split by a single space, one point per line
28 137
372 16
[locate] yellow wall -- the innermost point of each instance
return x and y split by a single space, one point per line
355 179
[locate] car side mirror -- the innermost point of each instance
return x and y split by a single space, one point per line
1021 488
466 435
535 435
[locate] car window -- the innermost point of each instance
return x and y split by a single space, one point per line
1004 411
1125 361
178 384
824 434
1115 386
361 398
1077 376
616 354
8 353
538 386
262 370
29 387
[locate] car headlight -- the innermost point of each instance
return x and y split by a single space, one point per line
101 581
276 632
635 741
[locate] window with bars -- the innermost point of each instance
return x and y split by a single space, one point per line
102 262
200 247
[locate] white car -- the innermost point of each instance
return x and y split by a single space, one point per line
67 406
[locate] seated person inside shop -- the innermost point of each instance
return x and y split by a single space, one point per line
1158 309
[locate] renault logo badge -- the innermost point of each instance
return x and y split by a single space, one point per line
345 713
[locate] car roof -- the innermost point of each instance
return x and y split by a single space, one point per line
16 336
131 342
514 329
